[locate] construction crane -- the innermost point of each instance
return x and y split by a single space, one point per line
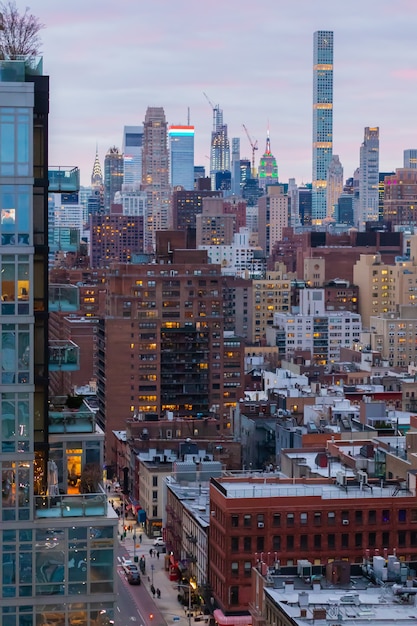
254 146
215 109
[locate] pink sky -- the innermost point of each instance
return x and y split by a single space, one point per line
109 61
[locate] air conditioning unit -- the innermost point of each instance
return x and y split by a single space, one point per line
261 524
345 522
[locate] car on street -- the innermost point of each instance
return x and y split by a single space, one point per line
133 578
129 566
159 542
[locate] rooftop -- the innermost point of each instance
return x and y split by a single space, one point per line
258 486
360 606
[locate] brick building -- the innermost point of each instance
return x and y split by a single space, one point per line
161 344
326 519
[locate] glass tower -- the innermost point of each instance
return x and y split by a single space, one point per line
322 120
181 156
56 546
132 155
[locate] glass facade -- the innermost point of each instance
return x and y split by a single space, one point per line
322 120
56 536
181 146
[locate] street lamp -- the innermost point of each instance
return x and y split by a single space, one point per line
191 587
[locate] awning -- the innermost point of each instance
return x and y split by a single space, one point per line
231 620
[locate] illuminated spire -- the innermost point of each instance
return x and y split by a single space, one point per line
97 175
268 168
268 144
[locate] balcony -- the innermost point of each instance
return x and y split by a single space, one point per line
80 420
64 298
79 505
64 179
64 356
16 70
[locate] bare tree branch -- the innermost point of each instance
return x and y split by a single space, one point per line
19 32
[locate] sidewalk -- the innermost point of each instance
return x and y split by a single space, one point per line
168 605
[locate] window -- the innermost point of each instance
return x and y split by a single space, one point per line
372 517
235 521
372 540
385 516
345 516
290 542
303 519
413 538
260 544
234 544
276 520
358 517
247 544
331 518
304 542
155 511
345 540
154 495
402 538
290 519
317 541
331 540
402 515
317 518
154 481
276 542
247 568
234 594
247 520
358 540
413 515
385 540
235 568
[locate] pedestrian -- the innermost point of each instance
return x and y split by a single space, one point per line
153 590
157 554
140 538
150 551
158 593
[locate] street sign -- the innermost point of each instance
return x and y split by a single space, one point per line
176 618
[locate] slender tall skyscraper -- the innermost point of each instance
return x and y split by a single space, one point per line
369 178
322 120
181 152
236 166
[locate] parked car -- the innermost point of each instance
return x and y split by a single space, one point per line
133 578
159 542
129 566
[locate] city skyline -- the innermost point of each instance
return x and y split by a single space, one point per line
107 67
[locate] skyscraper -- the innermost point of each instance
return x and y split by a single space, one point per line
410 158
268 168
220 146
181 153
155 174
236 190
56 544
334 184
132 155
322 120
113 176
369 178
